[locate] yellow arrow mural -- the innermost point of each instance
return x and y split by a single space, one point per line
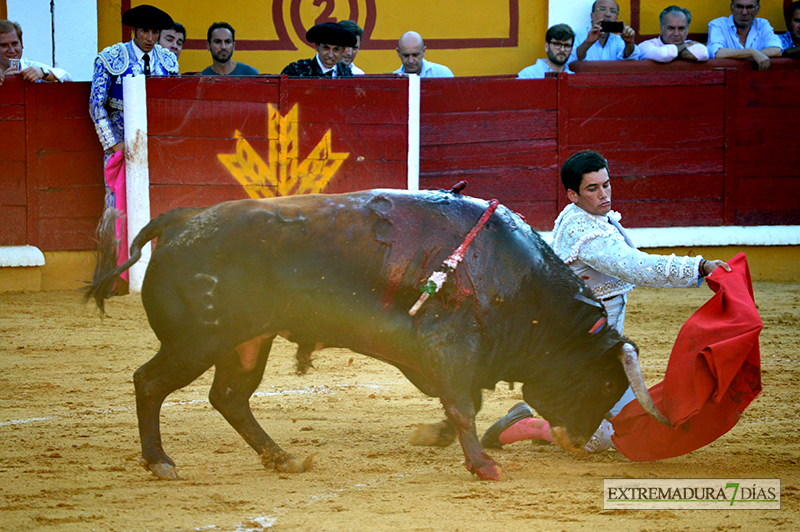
282 174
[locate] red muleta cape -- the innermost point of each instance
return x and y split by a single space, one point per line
713 373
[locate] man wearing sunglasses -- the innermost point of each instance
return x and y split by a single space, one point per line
558 46
743 36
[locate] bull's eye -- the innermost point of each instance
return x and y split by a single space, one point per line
609 386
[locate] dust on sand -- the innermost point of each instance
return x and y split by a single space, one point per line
70 445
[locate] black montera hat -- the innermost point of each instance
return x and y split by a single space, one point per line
148 17
331 33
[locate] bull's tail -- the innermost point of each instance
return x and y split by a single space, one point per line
106 271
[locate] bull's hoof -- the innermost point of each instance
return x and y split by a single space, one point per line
285 462
292 465
492 472
439 434
161 470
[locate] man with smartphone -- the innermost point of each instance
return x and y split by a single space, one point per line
672 43
11 61
607 39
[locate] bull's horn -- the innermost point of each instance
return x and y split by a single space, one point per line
630 361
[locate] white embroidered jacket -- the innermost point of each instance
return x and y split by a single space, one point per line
599 251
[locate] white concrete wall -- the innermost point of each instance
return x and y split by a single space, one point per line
572 12
75 33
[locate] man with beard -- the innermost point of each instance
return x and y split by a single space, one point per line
790 41
743 36
330 39
594 44
221 42
558 43
672 43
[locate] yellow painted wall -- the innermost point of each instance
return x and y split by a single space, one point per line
252 20
445 19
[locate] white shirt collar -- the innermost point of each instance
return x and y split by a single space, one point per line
140 53
325 70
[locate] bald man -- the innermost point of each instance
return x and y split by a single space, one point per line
411 51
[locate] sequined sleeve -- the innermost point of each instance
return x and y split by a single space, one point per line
101 86
612 256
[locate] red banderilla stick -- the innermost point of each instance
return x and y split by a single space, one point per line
438 278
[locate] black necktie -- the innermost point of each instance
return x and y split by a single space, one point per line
329 73
146 65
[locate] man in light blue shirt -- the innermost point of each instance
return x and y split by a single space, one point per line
594 44
411 51
558 45
790 41
743 36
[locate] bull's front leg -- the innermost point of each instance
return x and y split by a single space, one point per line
462 415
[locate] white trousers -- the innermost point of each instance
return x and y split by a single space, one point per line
601 440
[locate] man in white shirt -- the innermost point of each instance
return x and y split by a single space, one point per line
672 43
558 46
743 36
350 52
411 51
595 44
12 62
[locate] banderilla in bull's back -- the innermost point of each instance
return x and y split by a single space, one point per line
343 270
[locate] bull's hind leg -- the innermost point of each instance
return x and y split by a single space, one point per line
236 378
154 381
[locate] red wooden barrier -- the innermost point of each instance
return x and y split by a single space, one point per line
214 139
500 135
693 147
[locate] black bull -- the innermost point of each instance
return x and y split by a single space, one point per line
343 270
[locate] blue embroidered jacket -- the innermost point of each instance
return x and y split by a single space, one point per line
105 101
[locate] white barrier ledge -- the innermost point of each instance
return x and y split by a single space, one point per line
19 256
671 237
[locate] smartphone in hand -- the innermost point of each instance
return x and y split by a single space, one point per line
609 26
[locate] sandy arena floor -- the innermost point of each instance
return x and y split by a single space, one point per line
70 445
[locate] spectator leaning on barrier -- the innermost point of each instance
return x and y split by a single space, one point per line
411 51
595 44
790 41
672 43
558 43
350 52
330 40
173 38
11 52
743 36
221 42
